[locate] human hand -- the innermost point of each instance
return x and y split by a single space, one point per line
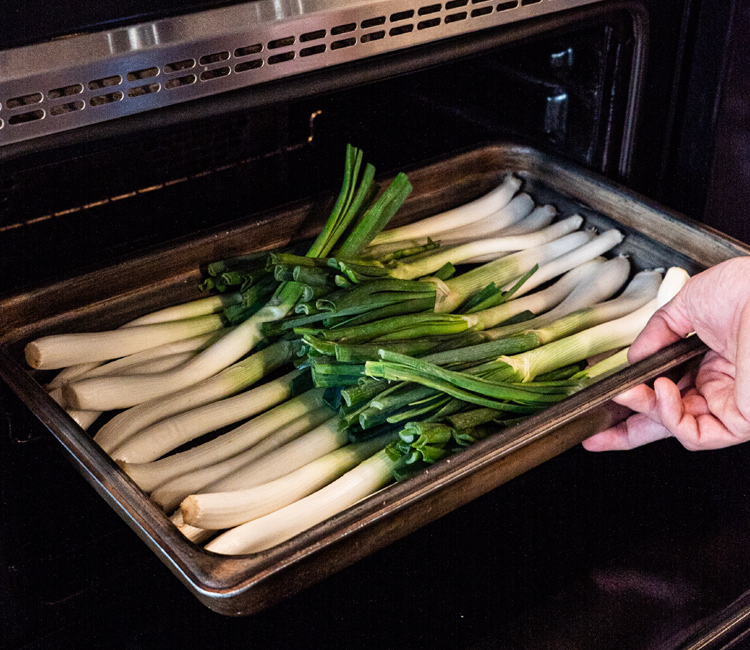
708 409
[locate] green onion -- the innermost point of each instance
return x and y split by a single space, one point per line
455 218
279 526
220 510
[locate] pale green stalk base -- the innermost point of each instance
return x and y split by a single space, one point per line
61 350
506 269
220 510
539 218
126 364
493 247
572 349
169 495
308 447
518 209
159 439
455 218
200 307
538 302
107 393
231 381
281 525
588 251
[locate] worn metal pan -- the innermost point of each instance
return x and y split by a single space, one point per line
246 584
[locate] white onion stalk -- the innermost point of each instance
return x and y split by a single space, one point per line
200 307
126 364
277 428
455 218
159 439
675 278
313 444
220 510
506 269
539 301
611 335
153 366
602 282
281 525
83 419
61 350
541 217
105 393
519 208
229 382
195 535
490 248
184 427
376 252
610 365
597 246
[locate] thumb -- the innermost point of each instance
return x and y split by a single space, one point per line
668 325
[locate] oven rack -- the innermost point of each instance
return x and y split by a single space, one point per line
89 78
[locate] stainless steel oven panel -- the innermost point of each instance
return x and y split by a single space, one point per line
90 78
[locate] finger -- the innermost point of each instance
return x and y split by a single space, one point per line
668 325
695 432
636 431
640 398
742 364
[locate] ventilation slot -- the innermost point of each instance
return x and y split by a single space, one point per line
65 91
456 17
429 9
529 2
316 49
216 57
404 29
313 36
70 107
248 65
372 22
456 3
179 65
179 82
216 73
481 12
24 118
281 42
24 100
110 98
247 51
373 36
98 84
146 73
343 29
426 24
402 15
504 6
146 89
344 42
280 58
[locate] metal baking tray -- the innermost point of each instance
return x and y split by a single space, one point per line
246 584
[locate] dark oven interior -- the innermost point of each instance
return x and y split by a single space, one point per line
625 551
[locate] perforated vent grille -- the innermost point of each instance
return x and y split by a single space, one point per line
36 103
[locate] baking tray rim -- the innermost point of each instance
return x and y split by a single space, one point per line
213 577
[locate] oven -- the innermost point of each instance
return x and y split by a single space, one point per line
128 129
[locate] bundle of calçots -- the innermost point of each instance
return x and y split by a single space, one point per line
375 353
